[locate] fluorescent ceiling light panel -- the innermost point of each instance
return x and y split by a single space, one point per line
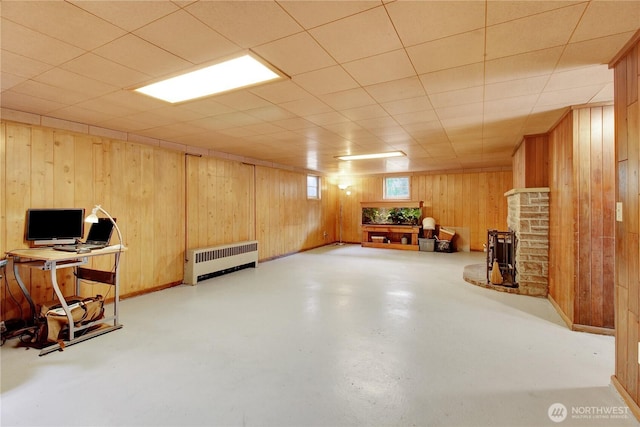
372 156
233 74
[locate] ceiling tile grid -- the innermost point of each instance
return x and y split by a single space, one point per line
453 84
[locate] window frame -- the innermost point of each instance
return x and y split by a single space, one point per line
386 196
317 187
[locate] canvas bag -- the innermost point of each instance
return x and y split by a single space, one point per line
52 324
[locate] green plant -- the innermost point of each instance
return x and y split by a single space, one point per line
369 215
397 216
413 215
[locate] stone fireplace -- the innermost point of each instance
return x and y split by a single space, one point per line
528 220
528 217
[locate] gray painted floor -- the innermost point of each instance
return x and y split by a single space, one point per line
341 335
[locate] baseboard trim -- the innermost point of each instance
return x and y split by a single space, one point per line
577 327
594 329
635 409
562 314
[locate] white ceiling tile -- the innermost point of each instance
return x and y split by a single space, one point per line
63 79
314 13
421 21
595 51
96 67
457 97
365 112
605 18
381 68
347 99
408 105
586 76
193 34
295 54
127 14
409 87
62 21
280 91
499 11
248 23
34 45
512 88
8 80
522 66
449 52
574 96
325 80
133 52
365 34
525 35
456 78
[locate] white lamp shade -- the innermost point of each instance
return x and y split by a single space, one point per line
429 223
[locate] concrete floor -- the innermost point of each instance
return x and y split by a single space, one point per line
337 336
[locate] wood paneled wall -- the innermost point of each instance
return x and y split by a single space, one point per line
472 200
627 285
164 201
287 221
531 162
220 201
562 214
582 238
55 168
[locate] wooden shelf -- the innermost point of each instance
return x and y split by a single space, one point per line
393 232
392 245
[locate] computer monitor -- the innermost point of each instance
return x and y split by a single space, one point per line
54 226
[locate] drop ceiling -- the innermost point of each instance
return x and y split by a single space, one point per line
453 84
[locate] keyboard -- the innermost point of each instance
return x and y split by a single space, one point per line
77 247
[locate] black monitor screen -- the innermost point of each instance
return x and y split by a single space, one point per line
54 225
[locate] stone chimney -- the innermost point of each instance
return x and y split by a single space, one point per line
528 217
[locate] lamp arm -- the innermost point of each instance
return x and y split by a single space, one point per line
114 224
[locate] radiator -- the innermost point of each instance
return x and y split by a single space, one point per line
204 263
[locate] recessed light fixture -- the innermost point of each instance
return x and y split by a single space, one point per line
240 72
372 156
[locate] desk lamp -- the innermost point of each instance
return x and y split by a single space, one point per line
93 217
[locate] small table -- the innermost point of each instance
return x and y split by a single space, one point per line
51 260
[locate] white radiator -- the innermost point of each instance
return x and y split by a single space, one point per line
208 262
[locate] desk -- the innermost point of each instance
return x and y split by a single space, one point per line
51 260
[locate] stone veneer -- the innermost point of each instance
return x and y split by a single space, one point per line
528 217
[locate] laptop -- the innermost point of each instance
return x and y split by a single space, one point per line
98 237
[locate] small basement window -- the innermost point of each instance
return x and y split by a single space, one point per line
396 188
313 187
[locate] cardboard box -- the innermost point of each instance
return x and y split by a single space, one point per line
445 234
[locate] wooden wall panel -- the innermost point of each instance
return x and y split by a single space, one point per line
582 228
472 200
286 221
56 168
220 202
531 162
561 216
627 244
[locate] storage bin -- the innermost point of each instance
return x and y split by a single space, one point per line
444 245
427 245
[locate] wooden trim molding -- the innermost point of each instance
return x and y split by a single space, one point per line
635 409
393 204
625 49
